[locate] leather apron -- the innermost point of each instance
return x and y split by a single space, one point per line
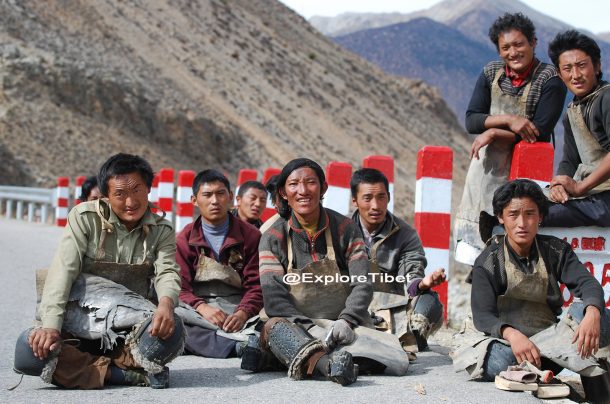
221 287
319 299
589 150
524 304
135 277
393 307
490 171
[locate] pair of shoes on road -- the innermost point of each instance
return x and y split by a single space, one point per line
554 389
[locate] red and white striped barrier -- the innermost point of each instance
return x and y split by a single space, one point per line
269 210
62 201
166 192
184 206
244 175
338 195
385 164
153 196
535 161
434 178
78 188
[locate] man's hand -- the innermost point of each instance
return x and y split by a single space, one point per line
212 314
44 340
235 321
524 128
163 319
558 194
480 141
434 279
523 348
586 335
570 187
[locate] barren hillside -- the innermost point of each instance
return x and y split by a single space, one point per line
213 83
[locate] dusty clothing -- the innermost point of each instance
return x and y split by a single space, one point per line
257 223
491 170
586 143
80 242
350 257
489 279
239 251
544 103
400 254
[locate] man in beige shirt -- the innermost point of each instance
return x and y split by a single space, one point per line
115 240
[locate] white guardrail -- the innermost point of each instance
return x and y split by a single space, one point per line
36 203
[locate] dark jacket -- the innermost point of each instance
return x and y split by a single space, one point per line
489 280
242 237
401 254
350 254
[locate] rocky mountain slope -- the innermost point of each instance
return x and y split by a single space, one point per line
215 83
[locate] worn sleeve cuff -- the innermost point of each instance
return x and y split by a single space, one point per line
52 322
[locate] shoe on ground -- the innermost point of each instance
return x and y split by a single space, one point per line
509 385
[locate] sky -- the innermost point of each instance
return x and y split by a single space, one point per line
593 15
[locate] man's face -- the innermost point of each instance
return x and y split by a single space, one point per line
372 204
213 199
515 50
578 72
94 194
521 219
250 206
128 196
303 192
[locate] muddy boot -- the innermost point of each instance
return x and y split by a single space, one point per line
256 359
338 367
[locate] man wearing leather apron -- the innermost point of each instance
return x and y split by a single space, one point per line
316 289
581 189
118 243
218 259
404 304
516 300
517 98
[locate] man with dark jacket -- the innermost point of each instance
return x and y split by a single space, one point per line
581 188
218 259
394 249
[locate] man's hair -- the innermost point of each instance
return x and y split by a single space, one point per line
367 176
283 208
570 40
243 188
207 177
520 188
121 164
508 22
87 187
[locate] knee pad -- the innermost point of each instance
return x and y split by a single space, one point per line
26 363
152 353
427 316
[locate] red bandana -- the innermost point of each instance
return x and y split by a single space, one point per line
519 79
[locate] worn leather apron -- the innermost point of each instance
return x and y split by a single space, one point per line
221 287
490 171
524 304
393 307
323 303
589 150
319 299
135 277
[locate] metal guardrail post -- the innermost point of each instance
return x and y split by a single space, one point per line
31 211
9 209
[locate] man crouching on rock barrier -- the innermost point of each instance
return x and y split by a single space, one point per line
316 290
94 330
516 300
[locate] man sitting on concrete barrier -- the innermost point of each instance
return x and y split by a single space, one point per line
110 249
516 300
218 259
414 311
581 188
251 202
518 98
316 289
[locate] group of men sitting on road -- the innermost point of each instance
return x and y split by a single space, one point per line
304 295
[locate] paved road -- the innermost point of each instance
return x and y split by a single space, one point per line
24 247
